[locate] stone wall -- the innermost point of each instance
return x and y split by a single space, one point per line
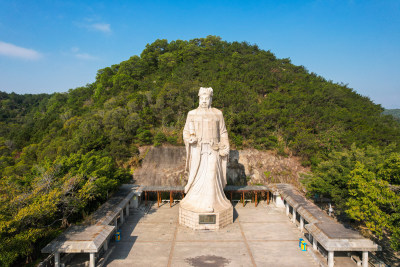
165 166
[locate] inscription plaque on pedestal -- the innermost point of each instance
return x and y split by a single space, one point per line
207 219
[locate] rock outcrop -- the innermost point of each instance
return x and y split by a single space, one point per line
166 166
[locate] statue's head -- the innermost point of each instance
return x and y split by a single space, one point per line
205 97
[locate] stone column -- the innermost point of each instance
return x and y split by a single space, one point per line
365 259
116 223
330 258
122 216
105 245
91 260
127 210
287 209
301 223
294 216
56 259
137 201
314 244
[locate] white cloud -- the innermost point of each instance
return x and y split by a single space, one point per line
7 49
80 55
94 24
85 56
103 27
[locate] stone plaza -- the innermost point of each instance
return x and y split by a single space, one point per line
265 231
259 236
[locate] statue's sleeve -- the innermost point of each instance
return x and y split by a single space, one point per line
223 133
225 142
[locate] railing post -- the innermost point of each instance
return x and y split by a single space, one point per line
56 259
331 262
294 215
91 260
365 259
314 244
301 224
105 245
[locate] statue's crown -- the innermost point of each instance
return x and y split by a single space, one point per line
206 91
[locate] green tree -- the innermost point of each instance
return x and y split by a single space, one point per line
390 169
370 199
372 203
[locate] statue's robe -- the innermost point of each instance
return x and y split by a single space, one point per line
206 167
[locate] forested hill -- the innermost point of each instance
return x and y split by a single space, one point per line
267 102
62 154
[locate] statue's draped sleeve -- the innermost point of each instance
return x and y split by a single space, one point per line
192 153
224 141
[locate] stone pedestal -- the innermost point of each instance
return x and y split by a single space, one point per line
201 220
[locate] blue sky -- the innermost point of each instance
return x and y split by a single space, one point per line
53 46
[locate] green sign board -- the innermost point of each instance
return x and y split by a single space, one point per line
207 219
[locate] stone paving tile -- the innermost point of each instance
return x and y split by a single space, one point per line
282 254
227 254
261 213
271 232
140 254
147 232
231 232
164 214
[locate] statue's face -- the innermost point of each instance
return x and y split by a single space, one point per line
205 101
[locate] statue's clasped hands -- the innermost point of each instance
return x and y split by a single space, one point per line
192 139
223 149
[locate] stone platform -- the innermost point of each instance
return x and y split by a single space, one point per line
205 221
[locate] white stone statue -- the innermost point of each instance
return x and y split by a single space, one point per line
207 150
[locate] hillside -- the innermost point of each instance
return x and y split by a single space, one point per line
394 112
62 154
165 165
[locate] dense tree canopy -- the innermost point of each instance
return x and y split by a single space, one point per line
360 182
60 154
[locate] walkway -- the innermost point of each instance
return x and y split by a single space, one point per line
259 236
